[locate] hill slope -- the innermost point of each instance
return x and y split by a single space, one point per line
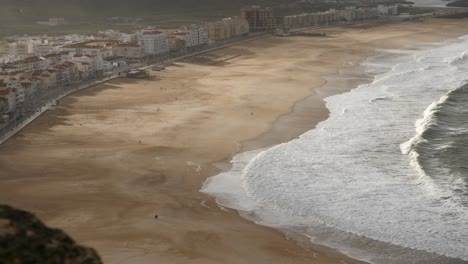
25 239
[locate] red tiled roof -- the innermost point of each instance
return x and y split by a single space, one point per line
55 54
27 60
5 91
88 44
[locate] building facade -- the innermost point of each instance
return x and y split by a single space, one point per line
155 42
260 19
334 17
8 97
227 28
96 62
132 51
102 48
194 36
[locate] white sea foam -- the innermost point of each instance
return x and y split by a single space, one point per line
349 174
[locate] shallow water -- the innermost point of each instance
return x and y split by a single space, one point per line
358 182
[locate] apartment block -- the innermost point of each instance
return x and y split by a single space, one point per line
227 28
102 48
332 17
7 99
194 36
176 43
155 42
128 51
260 19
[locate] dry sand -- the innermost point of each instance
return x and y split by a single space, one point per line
102 164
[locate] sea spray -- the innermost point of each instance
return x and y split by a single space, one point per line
347 180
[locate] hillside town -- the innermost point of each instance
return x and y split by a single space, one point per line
38 69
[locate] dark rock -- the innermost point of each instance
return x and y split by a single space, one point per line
24 239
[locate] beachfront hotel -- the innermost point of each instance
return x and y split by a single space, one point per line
227 28
260 19
154 42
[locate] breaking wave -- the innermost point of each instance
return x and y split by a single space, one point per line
347 184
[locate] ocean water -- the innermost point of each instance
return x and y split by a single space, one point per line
383 179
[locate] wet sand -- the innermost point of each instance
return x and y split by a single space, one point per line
109 158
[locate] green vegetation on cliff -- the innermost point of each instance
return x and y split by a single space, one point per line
24 239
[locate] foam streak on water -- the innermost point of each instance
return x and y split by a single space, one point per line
350 175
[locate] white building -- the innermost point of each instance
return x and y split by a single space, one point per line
20 50
131 51
20 95
96 62
184 37
56 21
8 97
44 49
75 38
387 10
28 64
193 36
154 42
84 70
101 48
48 79
112 62
113 34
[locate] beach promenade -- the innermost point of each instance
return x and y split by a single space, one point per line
107 159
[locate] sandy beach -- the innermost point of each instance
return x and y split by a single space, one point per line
107 159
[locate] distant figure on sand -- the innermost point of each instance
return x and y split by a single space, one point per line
155 216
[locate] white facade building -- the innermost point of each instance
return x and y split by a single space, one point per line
44 49
387 10
96 62
155 42
20 96
9 99
194 36
101 48
128 50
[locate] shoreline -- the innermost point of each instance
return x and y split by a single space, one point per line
276 135
269 139
113 183
304 106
